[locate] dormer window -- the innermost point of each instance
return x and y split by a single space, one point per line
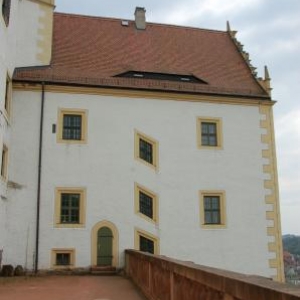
162 76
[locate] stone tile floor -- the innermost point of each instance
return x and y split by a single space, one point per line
68 288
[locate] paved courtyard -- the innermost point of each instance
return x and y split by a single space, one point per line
68 288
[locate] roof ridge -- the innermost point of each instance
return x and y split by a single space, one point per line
132 20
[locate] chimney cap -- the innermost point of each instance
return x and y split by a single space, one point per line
139 9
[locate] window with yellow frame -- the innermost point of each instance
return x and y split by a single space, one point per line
62 258
72 126
146 149
209 133
70 207
212 209
146 203
146 242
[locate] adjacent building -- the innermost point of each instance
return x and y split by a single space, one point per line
128 134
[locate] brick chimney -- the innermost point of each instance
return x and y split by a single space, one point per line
140 18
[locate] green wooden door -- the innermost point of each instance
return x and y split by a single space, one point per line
104 247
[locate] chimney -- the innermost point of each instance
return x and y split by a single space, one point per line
140 18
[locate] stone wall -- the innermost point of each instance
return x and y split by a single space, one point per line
163 278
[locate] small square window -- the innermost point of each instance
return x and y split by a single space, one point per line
6 11
62 258
70 207
209 133
212 209
146 245
4 162
146 242
72 126
146 204
146 149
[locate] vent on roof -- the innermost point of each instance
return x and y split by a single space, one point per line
161 76
125 23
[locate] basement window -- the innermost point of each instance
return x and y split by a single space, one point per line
161 76
62 258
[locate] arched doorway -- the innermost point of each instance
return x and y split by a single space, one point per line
105 244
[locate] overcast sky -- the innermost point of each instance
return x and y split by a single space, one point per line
269 30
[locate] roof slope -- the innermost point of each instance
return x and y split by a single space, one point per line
92 50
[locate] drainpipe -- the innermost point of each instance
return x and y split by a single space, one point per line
38 201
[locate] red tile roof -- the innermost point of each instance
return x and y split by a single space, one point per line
92 50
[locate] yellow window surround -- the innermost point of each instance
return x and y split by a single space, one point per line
82 207
219 134
221 195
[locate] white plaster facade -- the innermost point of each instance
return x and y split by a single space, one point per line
19 47
106 168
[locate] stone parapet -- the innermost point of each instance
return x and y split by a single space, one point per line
163 278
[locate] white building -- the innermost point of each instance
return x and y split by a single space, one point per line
137 135
25 40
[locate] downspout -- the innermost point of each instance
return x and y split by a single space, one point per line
38 201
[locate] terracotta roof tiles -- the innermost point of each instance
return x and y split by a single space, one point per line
92 50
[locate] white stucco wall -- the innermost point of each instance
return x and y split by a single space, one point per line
106 167
19 47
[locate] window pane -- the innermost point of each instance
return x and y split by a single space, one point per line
63 259
208 134
146 204
212 210
72 127
146 245
70 206
145 151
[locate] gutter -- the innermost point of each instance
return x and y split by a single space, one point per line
38 200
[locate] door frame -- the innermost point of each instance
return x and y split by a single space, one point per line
115 242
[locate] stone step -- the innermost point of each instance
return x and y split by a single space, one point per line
103 270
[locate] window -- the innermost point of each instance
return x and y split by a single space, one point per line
62 258
6 11
72 126
146 203
69 210
146 242
70 207
162 76
146 149
7 99
212 209
4 162
209 133
146 245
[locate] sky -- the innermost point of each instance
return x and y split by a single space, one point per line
269 31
